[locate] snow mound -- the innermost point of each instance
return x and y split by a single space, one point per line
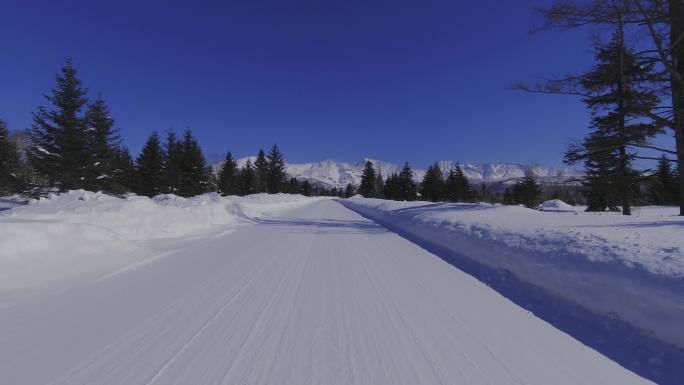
558 205
631 267
67 234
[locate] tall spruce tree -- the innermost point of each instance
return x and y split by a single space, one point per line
527 192
261 172
227 179
247 183
367 186
391 188
457 188
307 189
123 172
149 180
172 165
663 189
293 186
194 172
406 187
379 185
432 188
103 143
59 146
10 163
276 171
349 191
619 101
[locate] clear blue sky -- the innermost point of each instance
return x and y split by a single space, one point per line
394 80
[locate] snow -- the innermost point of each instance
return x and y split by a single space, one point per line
67 235
330 173
560 206
613 265
280 290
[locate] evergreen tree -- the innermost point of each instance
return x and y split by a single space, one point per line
307 189
432 188
194 172
619 100
367 187
276 171
247 179
293 186
10 163
406 187
457 188
663 184
261 172
103 141
123 172
527 192
172 167
149 175
227 180
349 191
379 185
391 188
59 148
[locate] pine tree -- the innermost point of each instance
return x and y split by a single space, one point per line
406 187
227 179
261 172
620 99
123 171
391 188
307 189
172 165
276 171
457 188
527 192
367 187
293 186
59 148
349 191
247 179
663 186
10 163
194 172
432 188
103 141
379 185
149 174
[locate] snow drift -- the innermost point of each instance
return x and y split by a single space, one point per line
626 267
67 234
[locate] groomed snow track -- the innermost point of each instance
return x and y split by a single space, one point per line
318 296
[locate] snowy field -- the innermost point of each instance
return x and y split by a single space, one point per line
286 289
630 267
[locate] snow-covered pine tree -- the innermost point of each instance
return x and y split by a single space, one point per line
406 187
194 172
432 188
59 149
123 172
10 163
149 177
103 143
227 178
276 171
261 172
457 188
367 186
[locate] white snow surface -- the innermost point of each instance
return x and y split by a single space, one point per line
631 267
331 173
307 293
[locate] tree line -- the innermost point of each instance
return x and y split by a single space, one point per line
634 92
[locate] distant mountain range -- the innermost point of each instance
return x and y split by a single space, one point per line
330 173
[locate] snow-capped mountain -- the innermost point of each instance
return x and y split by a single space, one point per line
330 173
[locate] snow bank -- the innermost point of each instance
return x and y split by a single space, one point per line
629 267
560 206
68 234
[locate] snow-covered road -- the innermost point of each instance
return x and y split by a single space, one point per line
317 296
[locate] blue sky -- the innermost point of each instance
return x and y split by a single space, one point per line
394 80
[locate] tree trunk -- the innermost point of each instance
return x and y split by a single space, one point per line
625 184
677 56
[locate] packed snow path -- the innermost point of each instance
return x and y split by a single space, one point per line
319 296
